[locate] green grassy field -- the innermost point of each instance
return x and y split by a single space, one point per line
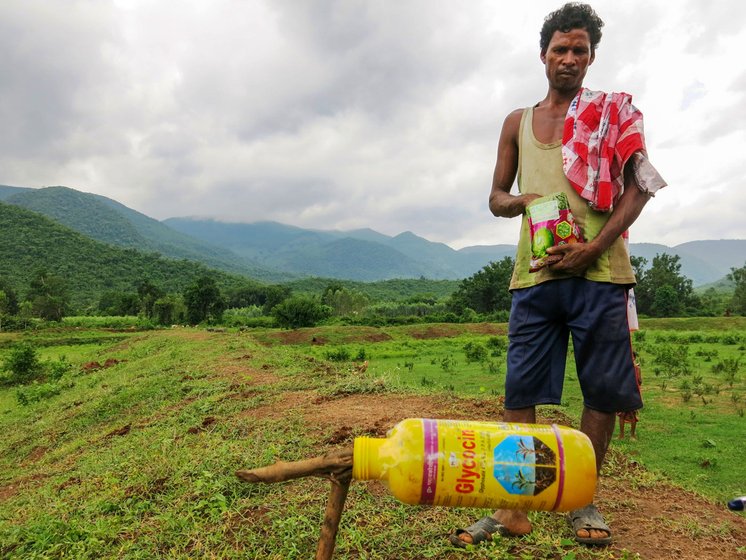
136 460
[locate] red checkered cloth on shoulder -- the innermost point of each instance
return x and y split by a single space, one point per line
602 131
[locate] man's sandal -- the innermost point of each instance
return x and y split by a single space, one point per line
589 518
479 531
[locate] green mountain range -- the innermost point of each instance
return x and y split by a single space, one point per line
273 252
33 242
368 255
363 255
108 221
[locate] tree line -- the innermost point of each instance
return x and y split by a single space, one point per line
661 291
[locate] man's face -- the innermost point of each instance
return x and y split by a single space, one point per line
567 59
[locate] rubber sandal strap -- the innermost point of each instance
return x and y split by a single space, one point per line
479 531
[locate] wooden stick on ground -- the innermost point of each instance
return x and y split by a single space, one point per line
332 517
336 466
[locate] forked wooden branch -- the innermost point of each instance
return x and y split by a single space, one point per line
336 466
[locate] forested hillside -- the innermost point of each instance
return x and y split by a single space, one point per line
89 268
368 255
360 255
106 220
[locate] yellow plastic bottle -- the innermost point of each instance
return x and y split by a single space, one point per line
481 464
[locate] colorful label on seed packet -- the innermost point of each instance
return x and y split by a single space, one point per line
550 223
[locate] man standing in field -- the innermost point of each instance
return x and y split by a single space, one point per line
589 146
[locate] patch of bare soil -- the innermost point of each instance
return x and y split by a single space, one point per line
36 454
665 522
436 331
445 330
488 328
242 375
659 522
316 336
9 490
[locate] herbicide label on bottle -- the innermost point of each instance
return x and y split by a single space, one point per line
471 464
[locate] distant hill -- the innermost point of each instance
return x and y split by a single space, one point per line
316 252
6 191
108 221
274 252
31 242
306 252
362 255
703 262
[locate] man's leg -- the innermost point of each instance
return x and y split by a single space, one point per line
515 521
621 427
599 427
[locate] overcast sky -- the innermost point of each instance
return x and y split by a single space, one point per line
344 114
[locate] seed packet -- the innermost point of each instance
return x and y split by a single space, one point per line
550 223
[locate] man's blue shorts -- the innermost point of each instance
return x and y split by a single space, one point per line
542 318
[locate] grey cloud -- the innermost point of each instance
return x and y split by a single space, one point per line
50 58
315 113
711 25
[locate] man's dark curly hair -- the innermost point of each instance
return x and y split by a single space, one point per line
572 15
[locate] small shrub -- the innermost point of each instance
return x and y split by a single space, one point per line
447 363
37 392
498 345
56 369
338 355
475 352
300 311
673 359
23 364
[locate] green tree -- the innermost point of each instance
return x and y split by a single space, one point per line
48 296
166 310
257 294
10 307
487 290
345 302
665 302
738 302
3 308
203 301
300 311
332 287
147 294
714 303
638 265
25 312
119 304
273 295
662 291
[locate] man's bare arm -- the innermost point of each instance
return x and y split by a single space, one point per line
577 257
502 203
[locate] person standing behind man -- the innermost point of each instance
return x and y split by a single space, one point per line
583 289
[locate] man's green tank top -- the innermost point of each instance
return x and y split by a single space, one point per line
540 172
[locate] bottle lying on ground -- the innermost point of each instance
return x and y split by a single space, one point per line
481 464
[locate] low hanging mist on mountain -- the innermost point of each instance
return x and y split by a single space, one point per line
269 251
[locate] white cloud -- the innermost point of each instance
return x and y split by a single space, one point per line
348 114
